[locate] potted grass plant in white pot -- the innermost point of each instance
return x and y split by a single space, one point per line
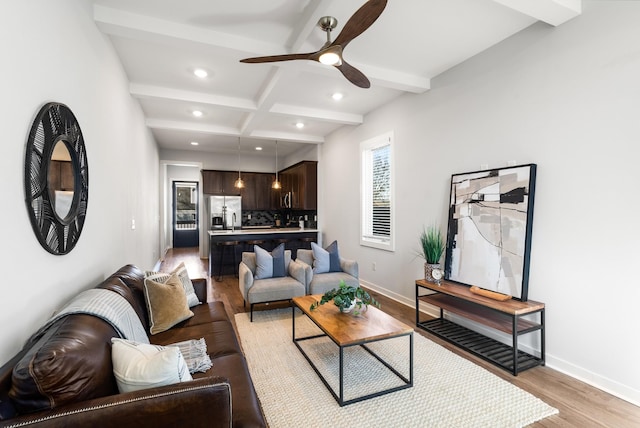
431 249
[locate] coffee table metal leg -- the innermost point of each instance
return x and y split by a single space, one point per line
341 402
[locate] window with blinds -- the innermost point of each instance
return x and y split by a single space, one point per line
376 191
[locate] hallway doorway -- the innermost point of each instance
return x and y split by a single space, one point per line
186 206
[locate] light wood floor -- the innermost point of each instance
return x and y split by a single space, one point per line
580 405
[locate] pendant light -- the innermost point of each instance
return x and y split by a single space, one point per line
276 184
239 184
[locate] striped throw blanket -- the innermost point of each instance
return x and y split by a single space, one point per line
108 305
114 309
195 355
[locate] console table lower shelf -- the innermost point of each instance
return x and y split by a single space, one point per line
502 316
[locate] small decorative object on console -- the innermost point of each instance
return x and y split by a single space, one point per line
347 298
432 247
437 275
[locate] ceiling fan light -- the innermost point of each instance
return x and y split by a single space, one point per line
330 58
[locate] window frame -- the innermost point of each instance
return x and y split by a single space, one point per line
367 238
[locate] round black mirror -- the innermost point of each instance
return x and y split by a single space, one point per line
56 178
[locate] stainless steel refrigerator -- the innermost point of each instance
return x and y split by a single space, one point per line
225 212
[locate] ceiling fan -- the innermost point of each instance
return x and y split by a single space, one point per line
331 52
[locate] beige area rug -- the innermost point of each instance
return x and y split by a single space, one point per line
449 391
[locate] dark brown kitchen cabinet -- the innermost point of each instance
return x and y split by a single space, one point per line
257 193
266 197
219 182
301 180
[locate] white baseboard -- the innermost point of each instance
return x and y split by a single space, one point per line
605 384
597 381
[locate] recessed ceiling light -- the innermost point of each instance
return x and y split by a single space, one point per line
194 143
299 125
337 96
200 72
197 113
258 148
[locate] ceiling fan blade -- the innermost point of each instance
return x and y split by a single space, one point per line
353 75
360 21
275 58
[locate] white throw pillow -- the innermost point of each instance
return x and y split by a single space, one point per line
141 366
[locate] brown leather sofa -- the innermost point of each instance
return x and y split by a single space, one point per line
65 378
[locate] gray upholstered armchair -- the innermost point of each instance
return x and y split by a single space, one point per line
270 289
320 283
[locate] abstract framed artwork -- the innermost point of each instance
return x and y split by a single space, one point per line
489 229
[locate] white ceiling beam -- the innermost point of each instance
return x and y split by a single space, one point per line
141 27
143 91
317 114
394 79
307 23
283 136
553 12
191 127
382 77
267 98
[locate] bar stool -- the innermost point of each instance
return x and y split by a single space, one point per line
221 247
306 241
278 241
248 245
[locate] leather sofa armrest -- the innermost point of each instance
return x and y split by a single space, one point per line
204 402
200 287
349 266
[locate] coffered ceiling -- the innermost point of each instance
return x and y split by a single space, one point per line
162 42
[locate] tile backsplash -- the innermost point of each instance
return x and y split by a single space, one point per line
289 217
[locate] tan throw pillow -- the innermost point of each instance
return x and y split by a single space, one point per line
181 271
166 303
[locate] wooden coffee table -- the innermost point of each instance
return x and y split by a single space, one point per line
346 330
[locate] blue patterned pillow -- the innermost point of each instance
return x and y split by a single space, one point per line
269 264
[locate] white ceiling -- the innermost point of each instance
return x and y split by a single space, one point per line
161 42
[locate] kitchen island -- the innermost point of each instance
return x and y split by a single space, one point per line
268 238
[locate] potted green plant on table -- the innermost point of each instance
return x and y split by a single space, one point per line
347 298
432 247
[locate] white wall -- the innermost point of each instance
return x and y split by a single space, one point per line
52 51
566 98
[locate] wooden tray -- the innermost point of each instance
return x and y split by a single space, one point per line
490 294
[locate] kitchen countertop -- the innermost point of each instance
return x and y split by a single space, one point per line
253 231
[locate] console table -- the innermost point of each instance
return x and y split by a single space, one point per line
504 316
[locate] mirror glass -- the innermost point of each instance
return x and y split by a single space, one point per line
61 180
